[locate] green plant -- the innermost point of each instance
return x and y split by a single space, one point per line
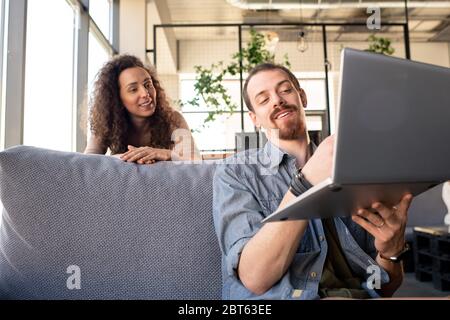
380 45
209 87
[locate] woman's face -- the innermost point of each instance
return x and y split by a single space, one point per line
137 92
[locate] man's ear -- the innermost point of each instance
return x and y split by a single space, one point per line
253 118
303 98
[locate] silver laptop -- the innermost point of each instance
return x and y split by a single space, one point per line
392 138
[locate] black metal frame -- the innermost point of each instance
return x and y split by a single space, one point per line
324 43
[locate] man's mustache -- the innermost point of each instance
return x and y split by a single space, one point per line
288 107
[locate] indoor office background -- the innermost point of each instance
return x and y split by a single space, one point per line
51 51
48 74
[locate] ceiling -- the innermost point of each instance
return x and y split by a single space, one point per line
428 20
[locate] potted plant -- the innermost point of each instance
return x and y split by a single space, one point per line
209 88
380 45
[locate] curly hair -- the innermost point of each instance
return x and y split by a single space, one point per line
109 119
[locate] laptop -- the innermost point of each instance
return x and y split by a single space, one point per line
392 137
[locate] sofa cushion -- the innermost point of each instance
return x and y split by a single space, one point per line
78 226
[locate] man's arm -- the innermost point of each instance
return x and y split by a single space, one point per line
268 255
395 271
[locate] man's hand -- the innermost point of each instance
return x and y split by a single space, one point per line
387 225
146 155
320 165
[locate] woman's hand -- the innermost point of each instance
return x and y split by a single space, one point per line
146 155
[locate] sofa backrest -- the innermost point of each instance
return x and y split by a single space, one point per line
78 226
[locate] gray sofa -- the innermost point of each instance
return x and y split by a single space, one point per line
80 226
115 230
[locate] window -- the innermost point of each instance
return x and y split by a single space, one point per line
98 55
100 12
48 110
219 134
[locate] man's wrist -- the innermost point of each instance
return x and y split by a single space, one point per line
299 183
397 257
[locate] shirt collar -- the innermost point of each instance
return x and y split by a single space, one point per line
275 155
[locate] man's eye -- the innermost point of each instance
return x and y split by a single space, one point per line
287 90
264 101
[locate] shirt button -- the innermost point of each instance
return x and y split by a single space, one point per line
313 274
297 293
321 238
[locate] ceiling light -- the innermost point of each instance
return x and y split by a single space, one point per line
302 44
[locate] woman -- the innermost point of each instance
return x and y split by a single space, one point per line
131 116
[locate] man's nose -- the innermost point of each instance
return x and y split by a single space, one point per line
278 101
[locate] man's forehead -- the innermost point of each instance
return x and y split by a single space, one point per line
267 79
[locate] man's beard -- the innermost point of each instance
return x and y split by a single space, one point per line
292 129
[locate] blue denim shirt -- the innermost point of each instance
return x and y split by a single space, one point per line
250 186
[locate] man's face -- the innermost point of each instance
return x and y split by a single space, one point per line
277 104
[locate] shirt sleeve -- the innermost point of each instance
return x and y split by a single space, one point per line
370 246
237 214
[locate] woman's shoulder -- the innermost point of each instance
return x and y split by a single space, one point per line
178 119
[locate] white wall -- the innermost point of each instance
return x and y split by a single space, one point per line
204 53
166 54
170 83
132 27
435 53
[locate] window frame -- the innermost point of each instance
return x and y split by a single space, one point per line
86 24
13 81
15 27
2 29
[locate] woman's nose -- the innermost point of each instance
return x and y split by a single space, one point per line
144 92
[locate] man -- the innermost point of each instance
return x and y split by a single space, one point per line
296 259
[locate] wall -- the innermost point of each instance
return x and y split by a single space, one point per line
205 53
170 84
132 27
434 53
